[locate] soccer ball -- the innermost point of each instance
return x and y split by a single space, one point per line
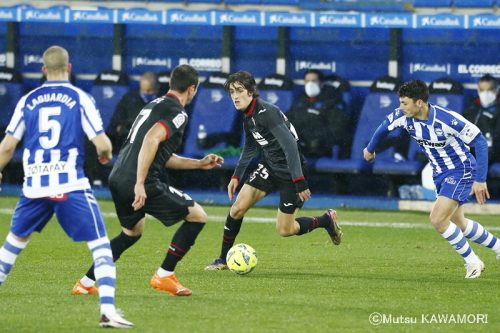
241 259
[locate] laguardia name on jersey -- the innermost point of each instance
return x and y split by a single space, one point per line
52 119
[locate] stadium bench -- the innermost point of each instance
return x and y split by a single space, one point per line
378 103
213 109
277 89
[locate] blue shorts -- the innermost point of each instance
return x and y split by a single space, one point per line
453 185
77 212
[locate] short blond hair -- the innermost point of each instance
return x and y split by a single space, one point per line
55 59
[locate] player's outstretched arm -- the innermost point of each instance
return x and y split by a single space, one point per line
7 148
208 162
104 148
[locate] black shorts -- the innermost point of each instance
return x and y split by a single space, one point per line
164 202
262 178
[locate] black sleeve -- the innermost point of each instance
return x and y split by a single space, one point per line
249 150
173 120
289 146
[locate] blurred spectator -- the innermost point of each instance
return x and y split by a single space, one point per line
319 118
163 82
129 106
485 111
123 117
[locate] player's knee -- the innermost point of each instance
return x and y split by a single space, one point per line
197 214
202 216
238 211
136 230
438 222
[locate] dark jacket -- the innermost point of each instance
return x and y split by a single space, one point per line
321 123
125 113
488 121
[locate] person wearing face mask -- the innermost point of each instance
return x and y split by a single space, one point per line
129 106
124 115
318 114
484 113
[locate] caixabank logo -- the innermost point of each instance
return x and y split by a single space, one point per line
484 21
416 67
189 17
31 59
234 18
147 61
389 20
139 16
95 16
338 20
288 19
8 14
327 66
53 14
440 21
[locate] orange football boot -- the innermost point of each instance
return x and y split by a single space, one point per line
79 289
170 284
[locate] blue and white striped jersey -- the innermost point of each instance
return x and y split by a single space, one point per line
444 138
52 120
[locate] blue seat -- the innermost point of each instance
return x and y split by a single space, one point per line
474 3
214 110
281 98
450 101
387 164
108 89
10 93
494 170
448 93
344 87
376 106
277 89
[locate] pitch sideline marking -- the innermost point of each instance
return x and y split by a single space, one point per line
220 218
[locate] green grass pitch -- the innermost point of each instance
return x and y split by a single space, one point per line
301 284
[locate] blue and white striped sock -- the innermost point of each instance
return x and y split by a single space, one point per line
8 255
105 273
457 240
478 234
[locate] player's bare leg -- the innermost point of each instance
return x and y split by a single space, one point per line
288 225
443 210
165 279
474 231
247 198
119 244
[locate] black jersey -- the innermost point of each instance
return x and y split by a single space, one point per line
268 129
166 111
